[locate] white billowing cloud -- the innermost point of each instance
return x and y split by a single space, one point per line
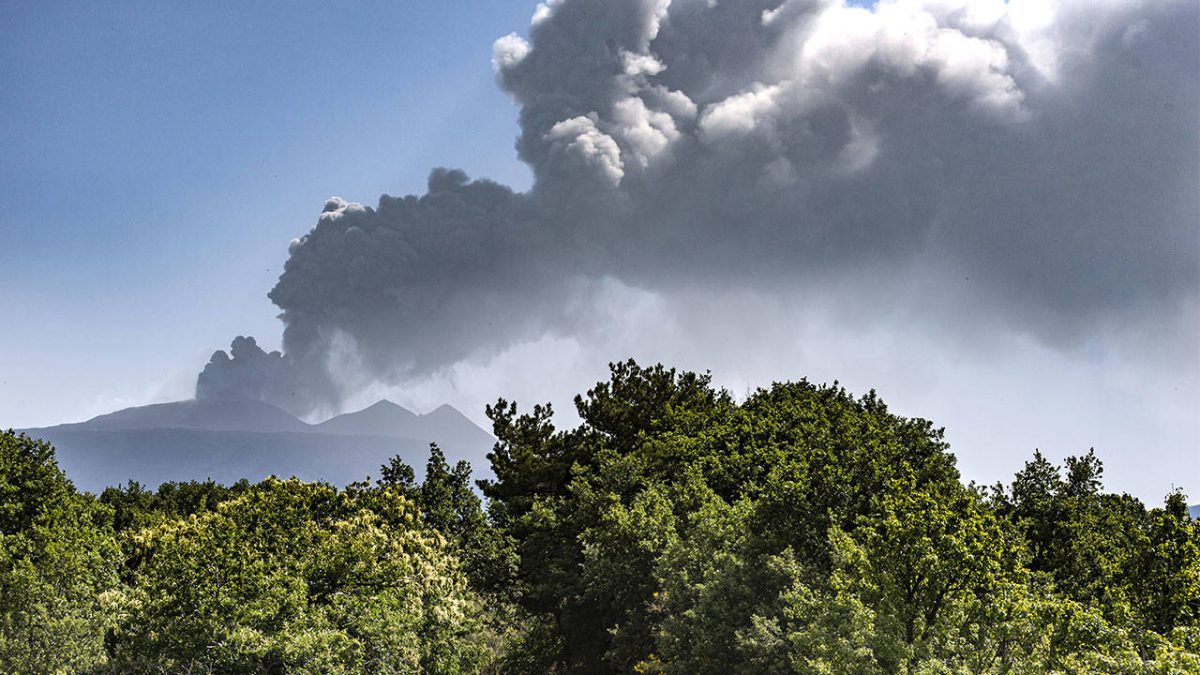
1023 174
647 133
741 113
508 51
959 47
641 64
583 145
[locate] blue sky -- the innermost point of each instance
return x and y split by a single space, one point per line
157 160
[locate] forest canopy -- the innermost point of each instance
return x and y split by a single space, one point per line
673 530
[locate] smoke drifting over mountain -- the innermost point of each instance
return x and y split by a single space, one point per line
1046 151
247 372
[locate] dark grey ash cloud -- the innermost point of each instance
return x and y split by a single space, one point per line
1048 152
418 281
247 372
1058 162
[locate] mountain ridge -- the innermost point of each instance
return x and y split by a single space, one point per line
212 415
253 415
198 439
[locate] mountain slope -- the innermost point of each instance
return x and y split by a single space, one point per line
382 419
448 426
445 426
95 459
197 414
227 441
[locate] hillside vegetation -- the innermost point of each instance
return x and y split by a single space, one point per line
674 530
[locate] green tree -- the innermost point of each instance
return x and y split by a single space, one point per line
595 509
135 507
551 515
296 577
933 566
674 530
1138 567
58 561
1166 573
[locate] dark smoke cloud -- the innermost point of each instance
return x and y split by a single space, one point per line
247 372
1046 151
804 134
418 281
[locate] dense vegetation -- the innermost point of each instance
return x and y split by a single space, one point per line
674 530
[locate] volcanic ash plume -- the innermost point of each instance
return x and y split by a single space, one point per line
1047 150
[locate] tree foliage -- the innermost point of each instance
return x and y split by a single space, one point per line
805 530
296 577
56 571
674 529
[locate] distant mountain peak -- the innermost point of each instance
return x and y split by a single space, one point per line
382 409
445 409
445 425
384 404
382 418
